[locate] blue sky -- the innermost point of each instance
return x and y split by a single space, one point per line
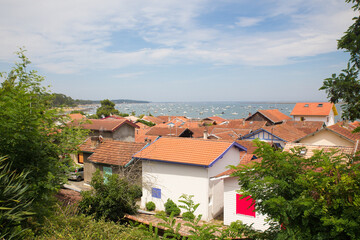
188 50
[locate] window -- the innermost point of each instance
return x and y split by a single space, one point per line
156 192
245 206
107 172
320 105
81 158
306 105
303 151
302 119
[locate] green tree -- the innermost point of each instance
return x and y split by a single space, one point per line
345 87
315 198
106 109
111 199
34 137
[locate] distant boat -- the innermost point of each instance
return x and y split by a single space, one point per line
234 113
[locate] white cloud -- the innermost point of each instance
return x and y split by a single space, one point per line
128 75
248 21
70 36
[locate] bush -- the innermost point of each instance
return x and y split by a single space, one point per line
171 207
150 206
136 190
188 216
110 200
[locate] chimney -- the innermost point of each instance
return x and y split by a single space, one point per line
206 134
95 141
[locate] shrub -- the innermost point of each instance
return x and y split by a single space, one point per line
171 207
188 216
110 200
150 206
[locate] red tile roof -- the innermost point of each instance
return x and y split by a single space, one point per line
76 116
113 117
241 124
106 125
185 150
153 119
285 132
87 146
311 148
305 126
345 130
313 109
114 152
274 115
215 119
161 131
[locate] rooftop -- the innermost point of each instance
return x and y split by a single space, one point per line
313 109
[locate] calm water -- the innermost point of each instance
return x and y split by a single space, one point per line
228 110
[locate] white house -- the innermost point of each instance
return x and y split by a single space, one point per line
174 166
319 111
236 208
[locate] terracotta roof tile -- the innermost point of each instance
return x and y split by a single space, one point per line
113 117
311 148
106 125
76 116
153 119
185 150
215 119
274 115
305 126
161 131
241 124
345 130
87 146
114 152
285 132
313 109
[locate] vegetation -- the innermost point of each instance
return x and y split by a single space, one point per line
171 208
33 136
14 202
67 223
189 206
345 87
110 200
77 111
150 206
315 198
147 123
107 108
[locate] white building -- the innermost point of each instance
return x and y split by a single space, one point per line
174 166
319 111
236 208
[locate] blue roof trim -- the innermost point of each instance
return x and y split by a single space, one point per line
132 157
261 130
234 144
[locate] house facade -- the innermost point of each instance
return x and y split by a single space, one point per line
173 166
271 117
319 111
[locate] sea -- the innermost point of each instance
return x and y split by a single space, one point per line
200 110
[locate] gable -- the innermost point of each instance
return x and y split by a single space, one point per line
263 135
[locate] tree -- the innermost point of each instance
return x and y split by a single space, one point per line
106 109
345 87
35 137
315 198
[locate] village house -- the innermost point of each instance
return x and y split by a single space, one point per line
111 157
271 117
319 111
339 134
117 129
214 120
171 166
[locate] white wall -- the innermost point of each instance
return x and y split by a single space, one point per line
175 180
230 187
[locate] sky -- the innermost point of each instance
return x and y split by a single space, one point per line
178 51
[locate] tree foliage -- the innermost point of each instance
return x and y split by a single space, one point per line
110 200
33 136
14 202
106 109
345 87
315 198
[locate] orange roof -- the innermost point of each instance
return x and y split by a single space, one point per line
313 109
114 152
241 124
285 132
246 159
153 119
274 115
107 125
76 116
345 130
113 117
186 150
87 146
305 126
216 119
161 131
